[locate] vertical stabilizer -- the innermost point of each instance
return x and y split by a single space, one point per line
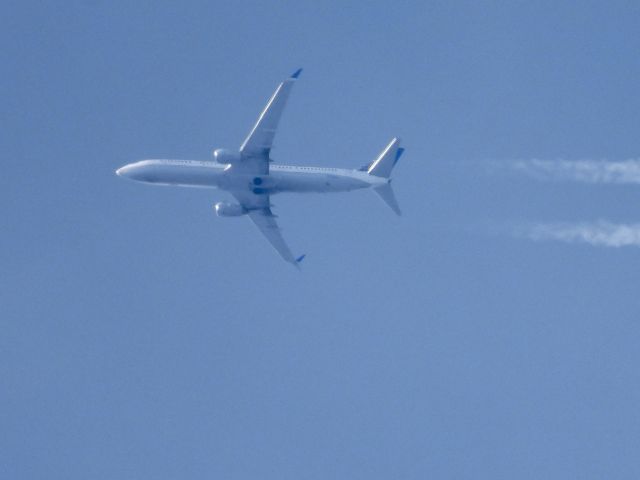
382 166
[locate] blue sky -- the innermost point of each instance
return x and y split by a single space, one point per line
142 337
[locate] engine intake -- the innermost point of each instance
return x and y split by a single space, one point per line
225 209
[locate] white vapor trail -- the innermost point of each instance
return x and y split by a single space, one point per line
601 233
587 171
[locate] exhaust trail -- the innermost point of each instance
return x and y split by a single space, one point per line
600 234
584 171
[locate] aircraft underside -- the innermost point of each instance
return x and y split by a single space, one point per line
249 175
292 179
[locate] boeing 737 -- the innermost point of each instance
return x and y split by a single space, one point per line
249 175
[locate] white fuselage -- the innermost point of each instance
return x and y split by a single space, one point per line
249 175
281 178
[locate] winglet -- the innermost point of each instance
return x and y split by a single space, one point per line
300 258
297 73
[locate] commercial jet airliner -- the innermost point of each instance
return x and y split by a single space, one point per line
250 177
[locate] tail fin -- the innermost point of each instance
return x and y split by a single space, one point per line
386 194
382 166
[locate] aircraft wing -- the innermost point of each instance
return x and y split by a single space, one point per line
259 208
266 222
260 140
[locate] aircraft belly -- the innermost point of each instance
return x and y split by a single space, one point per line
314 182
183 176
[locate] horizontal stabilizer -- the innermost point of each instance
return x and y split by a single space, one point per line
386 194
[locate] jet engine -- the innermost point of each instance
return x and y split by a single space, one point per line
225 209
225 156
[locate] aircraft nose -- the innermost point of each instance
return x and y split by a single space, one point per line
138 171
122 171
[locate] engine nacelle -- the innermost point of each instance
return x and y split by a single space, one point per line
226 157
225 209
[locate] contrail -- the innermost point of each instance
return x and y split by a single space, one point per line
601 233
586 171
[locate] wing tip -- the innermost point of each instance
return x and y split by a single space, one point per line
300 258
296 74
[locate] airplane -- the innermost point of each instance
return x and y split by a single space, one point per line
252 178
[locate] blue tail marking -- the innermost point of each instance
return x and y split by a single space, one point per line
398 155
